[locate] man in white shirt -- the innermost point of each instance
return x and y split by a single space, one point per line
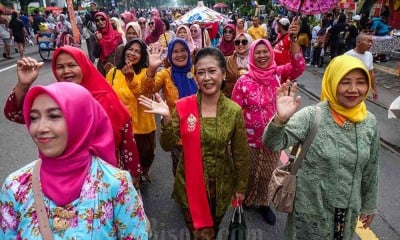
361 51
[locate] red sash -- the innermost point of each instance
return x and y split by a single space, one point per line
196 191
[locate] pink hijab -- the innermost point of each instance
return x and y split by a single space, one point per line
265 76
197 38
189 39
89 133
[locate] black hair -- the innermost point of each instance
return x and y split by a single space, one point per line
166 23
213 52
144 58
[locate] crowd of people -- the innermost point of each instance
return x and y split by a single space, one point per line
227 97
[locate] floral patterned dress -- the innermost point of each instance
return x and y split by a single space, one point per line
108 207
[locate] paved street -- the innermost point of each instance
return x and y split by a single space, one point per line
17 149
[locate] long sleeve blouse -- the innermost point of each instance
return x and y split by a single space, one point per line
230 172
257 98
108 207
340 169
129 90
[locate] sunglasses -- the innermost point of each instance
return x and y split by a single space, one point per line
100 20
142 23
228 32
193 31
151 23
244 42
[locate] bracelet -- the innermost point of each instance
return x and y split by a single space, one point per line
281 122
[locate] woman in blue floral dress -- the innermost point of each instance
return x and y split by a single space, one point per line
84 196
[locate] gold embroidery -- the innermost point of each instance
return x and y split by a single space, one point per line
61 220
191 121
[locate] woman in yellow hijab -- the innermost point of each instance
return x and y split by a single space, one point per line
337 183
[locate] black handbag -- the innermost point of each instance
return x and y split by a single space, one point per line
237 227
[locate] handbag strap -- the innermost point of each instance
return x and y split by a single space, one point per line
277 40
41 212
239 210
307 142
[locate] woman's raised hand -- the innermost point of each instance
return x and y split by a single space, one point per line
155 53
286 101
27 71
294 28
159 106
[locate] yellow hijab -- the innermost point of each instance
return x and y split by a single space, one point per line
336 70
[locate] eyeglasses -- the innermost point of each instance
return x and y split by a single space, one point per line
151 23
244 42
100 20
228 32
142 23
193 31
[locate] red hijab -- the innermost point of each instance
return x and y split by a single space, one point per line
110 40
89 133
154 35
97 85
226 47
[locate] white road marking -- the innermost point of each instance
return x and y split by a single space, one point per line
7 68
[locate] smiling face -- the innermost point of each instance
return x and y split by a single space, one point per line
262 56
133 54
209 75
182 33
352 89
241 45
179 55
48 127
100 22
131 34
67 69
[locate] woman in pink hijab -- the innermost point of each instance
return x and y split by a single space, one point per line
183 31
81 193
255 92
195 30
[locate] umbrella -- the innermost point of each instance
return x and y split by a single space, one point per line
202 14
220 5
394 109
309 7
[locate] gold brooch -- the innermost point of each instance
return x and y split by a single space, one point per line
242 71
62 216
191 121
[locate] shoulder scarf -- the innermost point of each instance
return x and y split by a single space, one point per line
196 191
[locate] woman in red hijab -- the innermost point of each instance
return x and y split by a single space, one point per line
227 44
157 29
67 66
107 41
